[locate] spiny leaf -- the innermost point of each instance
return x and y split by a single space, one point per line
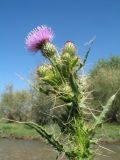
74 62
105 110
47 136
85 59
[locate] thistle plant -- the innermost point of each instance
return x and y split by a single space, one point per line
60 78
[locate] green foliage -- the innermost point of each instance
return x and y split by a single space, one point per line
99 119
15 105
41 106
60 80
81 140
17 131
62 99
105 81
109 132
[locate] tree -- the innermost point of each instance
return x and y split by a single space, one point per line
41 106
15 105
105 81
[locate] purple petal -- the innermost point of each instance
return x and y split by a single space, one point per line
38 37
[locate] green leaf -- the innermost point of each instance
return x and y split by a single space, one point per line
106 108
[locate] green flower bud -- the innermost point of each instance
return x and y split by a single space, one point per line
42 70
66 57
66 89
70 48
48 49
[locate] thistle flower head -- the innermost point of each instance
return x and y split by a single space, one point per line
38 37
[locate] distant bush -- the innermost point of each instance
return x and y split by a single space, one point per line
46 109
41 105
15 105
105 81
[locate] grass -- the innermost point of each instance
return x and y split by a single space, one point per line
17 131
22 131
108 132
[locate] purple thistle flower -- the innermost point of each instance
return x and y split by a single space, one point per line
38 37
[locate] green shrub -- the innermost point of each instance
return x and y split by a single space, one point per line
104 81
15 105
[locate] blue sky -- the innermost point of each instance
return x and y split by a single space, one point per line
75 20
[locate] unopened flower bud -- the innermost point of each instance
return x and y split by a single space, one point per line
42 70
69 48
66 57
48 49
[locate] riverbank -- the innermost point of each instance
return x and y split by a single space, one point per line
17 131
109 133
22 131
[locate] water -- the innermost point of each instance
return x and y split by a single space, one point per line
34 150
25 150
